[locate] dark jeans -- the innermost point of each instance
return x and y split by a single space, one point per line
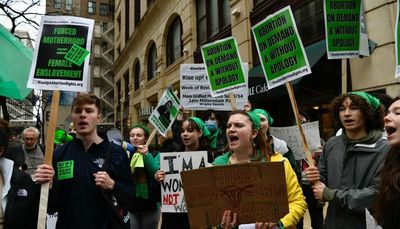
315 210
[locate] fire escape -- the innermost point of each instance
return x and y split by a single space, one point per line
102 61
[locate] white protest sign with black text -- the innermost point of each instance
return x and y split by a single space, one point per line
61 56
172 197
195 90
291 135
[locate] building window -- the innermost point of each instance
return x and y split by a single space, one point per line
104 9
136 80
212 17
91 7
127 25
152 62
137 12
57 4
126 82
118 91
174 41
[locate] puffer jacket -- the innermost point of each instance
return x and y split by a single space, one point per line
349 170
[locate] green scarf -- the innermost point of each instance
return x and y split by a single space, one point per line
214 138
139 175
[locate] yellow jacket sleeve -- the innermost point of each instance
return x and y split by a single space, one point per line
297 203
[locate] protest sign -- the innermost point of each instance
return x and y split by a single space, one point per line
280 49
291 135
172 197
342 28
224 67
61 55
255 191
195 90
364 41
166 112
397 42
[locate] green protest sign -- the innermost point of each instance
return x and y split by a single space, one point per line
76 54
397 42
166 112
280 48
224 66
342 28
65 169
60 59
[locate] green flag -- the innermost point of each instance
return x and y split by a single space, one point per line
15 64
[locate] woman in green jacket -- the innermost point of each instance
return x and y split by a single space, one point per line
246 144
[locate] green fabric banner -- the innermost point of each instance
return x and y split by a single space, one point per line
16 60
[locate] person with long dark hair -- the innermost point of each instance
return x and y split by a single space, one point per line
194 136
387 205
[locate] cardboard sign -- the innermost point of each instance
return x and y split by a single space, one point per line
172 197
60 59
280 49
255 191
166 112
291 135
342 28
195 90
224 67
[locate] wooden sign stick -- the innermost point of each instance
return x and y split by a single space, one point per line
232 100
289 87
344 76
153 133
48 157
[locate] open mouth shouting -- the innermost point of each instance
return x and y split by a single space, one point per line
233 140
390 131
83 124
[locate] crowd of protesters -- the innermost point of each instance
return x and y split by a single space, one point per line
357 170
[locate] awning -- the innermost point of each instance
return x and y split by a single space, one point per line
258 85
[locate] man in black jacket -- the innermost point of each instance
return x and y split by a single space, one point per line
83 173
28 155
19 207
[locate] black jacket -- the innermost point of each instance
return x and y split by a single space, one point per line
23 202
17 155
77 199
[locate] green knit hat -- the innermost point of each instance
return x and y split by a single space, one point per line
255 119
143 127
371 100
200 123
266 114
